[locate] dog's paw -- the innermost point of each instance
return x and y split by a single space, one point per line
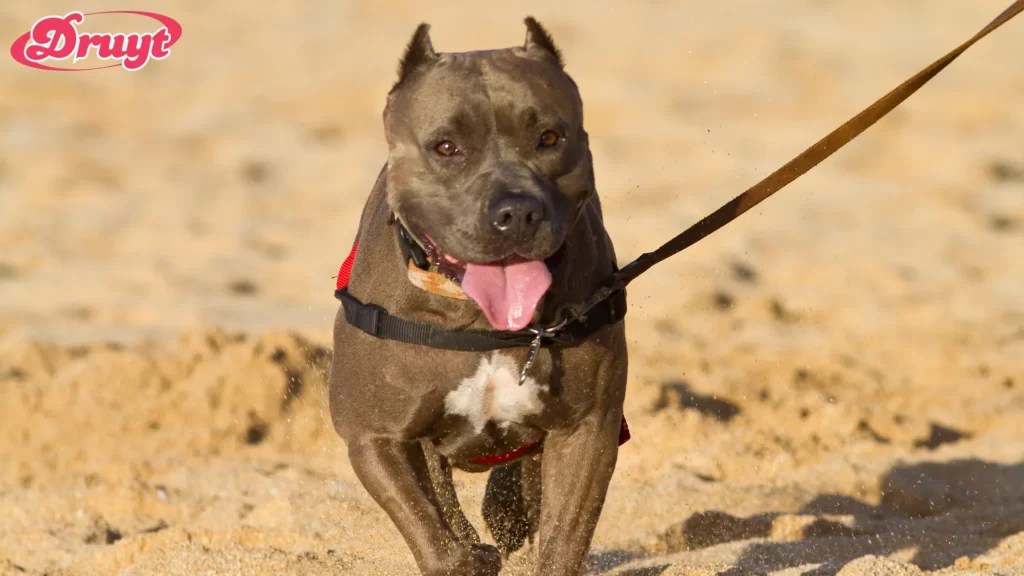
472 560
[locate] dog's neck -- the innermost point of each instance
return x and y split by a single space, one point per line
382 273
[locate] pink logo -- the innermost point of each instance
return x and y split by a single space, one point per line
57 38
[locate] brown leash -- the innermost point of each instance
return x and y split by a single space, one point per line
783 176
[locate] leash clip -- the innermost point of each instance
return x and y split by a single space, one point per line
539 335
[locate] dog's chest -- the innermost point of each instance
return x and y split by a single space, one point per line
493 394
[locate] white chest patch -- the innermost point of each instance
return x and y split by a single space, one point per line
493 393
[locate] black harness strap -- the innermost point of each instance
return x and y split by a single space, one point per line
376 321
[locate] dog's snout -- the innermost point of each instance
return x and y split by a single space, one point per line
516 214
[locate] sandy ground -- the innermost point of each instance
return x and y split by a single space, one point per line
832 385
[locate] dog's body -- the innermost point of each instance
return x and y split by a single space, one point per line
498 207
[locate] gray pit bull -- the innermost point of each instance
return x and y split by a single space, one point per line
489 174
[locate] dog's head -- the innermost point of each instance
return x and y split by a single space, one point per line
489 165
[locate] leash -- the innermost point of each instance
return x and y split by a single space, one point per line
808 159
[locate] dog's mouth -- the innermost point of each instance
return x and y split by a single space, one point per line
507 290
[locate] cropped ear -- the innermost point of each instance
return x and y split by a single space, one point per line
419 53
539 43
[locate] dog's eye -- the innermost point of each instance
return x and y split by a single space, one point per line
446 148
548 139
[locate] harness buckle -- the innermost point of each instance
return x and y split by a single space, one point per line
376 312
539 335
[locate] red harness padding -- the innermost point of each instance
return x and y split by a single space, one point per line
345 272
346 267
502 458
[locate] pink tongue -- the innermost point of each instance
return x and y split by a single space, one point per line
507 292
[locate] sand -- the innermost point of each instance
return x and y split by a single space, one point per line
834 384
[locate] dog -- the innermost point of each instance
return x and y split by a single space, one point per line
490 181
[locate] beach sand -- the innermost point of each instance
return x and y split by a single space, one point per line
833 384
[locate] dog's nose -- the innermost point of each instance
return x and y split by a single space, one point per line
516 214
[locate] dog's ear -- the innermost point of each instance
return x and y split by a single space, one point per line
539 43
419 53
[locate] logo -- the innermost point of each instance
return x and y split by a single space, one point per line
57 39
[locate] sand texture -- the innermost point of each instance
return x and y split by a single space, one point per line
832 385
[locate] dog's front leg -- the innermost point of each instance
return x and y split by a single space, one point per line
576 468
396 476
444 492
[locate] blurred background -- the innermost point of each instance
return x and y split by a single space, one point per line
164 233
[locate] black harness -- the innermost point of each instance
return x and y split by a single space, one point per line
375 321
